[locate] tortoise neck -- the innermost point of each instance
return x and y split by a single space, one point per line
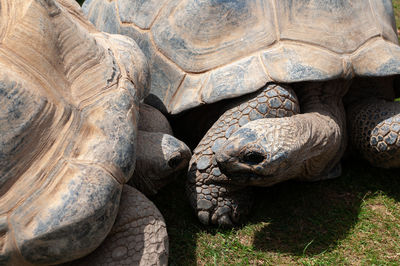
316 96
325 125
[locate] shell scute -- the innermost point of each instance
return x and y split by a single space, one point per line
340 26
232 80
380 58
193 39
293 62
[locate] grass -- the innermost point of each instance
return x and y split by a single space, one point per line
396 6
352 220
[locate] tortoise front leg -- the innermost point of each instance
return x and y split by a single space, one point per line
216 198
374 128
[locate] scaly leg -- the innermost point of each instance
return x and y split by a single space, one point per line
138 237
213 194
374 126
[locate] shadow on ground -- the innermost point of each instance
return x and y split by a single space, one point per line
182 225
310 218
295 218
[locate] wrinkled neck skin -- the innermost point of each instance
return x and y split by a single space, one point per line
323 127
305 146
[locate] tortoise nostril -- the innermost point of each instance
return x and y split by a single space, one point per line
175 160
253 157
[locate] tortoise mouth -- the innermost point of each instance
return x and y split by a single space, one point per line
244 173
253 179
247 179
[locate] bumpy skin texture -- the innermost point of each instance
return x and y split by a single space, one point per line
69 106
374 126
217 198
373 121
138 237
305 146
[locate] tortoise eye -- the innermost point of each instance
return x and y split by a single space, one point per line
253 157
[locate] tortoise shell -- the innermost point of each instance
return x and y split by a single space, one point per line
204 51
68 102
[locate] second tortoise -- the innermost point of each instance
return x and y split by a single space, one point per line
260 62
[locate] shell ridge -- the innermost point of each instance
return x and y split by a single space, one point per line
11 234
158 14
348 69
113 171
171 36
375 19
34 177
74 45
177 89
159 52
264 66
122 23
200 93
10 12
20 62
277 31
88 101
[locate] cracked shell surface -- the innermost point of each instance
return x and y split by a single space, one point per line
67 130
193 61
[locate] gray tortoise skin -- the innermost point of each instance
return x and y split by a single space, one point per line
294 79
69 115
160 156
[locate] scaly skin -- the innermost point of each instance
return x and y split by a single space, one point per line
138 237
374 126
212 194
305 146
267 151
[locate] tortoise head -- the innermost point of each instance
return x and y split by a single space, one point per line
160 158
262 154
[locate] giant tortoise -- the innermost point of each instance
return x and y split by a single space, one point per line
69 115
260 62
